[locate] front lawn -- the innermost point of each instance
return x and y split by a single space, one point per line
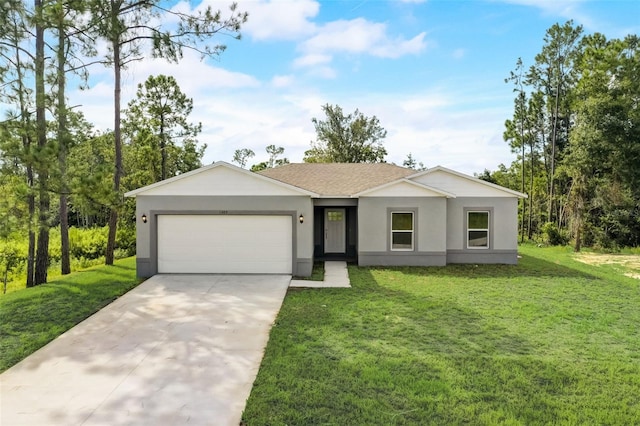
32 317
550 341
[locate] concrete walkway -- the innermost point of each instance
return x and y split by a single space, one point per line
335 275
178 349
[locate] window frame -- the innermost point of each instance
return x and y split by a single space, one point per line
412 231
468 229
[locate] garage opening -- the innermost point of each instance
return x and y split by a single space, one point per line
225 244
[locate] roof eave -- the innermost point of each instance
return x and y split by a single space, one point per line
471 178
406 180
138 191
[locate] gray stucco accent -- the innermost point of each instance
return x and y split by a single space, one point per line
152 206
508 257
402 258
303 267
143 267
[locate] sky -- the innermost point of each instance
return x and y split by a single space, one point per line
433 72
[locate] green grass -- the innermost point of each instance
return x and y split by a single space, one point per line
32 317
550 341
18 279
317 273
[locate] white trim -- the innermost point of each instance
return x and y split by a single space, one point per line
412 231
471 178
135 192
410 182
487 230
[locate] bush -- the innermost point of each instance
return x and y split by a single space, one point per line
88 243
126 241
553 235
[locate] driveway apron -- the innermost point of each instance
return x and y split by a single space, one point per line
178 349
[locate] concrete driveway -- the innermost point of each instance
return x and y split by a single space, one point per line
178 349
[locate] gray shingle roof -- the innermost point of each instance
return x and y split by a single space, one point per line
337 179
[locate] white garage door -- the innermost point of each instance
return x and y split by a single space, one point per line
224 244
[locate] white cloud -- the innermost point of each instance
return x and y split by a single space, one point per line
282 81
197 79
362 36
279 20
326 73
194 75
311 59
429 125
439 126
268 19
400 47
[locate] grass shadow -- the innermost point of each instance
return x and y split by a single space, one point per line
485 344
375 346
528 266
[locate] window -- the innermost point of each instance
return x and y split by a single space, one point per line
334 216
478 229
401 230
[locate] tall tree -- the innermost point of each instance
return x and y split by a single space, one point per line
161 111
241 156
412 163
43 153
89 177
273 161
604 152
352 138
554 74
16 69
126 25
66 17
515 130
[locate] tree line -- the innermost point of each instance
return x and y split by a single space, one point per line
54 166
576 131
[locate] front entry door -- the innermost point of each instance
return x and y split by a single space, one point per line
334 231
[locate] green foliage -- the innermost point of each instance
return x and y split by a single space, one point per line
87 247
10 258
87 243
576 127
161 141
274 152
412 163
126 240
553 235
40 44
352 138
241 156
89 174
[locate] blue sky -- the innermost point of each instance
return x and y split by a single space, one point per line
432 71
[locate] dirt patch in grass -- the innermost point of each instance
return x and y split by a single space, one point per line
629 263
